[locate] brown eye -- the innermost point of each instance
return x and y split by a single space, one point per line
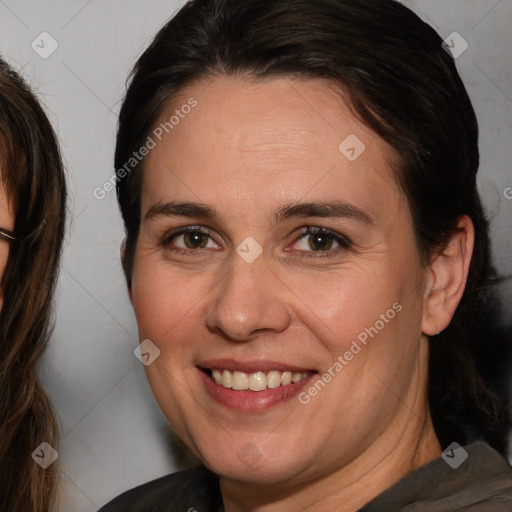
195 240
321 240
190 239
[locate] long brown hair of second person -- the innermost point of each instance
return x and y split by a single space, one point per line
32 175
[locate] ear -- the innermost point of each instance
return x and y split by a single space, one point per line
446 279
122 251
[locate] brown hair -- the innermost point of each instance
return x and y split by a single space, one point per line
402 83
32 174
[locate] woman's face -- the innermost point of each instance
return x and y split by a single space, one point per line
299 263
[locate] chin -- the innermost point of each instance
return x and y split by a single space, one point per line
250 466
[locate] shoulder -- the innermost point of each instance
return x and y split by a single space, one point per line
489 480
194 490
473 478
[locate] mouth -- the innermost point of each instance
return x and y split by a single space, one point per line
256 381
252 387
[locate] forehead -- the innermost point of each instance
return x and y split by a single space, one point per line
244 138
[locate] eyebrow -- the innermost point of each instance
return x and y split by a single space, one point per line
335 209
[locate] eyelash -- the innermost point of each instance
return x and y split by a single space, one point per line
342 240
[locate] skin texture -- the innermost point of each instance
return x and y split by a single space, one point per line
246 150
6 222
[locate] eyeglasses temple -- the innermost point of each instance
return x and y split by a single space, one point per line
7 234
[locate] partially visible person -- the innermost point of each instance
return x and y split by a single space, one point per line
32 224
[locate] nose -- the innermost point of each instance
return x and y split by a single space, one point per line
250 299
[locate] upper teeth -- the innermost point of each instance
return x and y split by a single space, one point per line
256 381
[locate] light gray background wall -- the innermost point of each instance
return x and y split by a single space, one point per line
114 435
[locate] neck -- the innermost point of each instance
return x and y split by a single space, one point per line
408 443
346 490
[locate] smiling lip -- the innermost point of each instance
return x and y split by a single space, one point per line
248 400
250 366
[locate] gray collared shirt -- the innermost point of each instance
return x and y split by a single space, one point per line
477 479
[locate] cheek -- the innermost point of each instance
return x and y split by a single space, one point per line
338 306
158 301
166 309
167 303
4 254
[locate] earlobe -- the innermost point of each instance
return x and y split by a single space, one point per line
448 272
